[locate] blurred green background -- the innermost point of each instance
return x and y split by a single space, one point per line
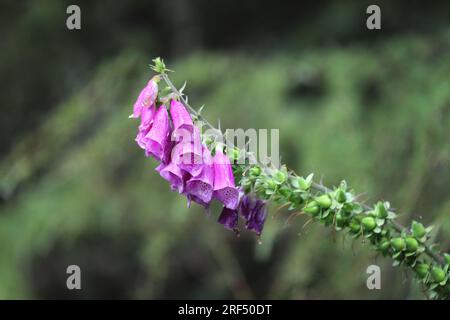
372 107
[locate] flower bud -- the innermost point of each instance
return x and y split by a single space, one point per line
340 196
279 177
255 171
324 201
438 274
422 269
368 223
355 227
340 220
418 229
384 246
380 210
398 244
411 244
312 208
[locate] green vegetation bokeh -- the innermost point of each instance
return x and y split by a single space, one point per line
75 188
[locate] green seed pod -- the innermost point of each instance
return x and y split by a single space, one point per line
438 274
324 201
312 208
411 244
368 223
380 210
398 244
422 269
355 227
418 229
340 196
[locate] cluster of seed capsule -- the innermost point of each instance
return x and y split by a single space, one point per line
340 209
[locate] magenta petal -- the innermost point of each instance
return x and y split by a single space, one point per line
224 187
157 139
173 174
182 122
147 116
254 211
189 156
201 186
146 98
228 218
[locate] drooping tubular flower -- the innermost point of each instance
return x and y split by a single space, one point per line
224 188
188 154
202 185
229 218
157 140
182 121
172 173
254 211
147 115
146 98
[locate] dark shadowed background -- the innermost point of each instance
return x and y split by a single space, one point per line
372 107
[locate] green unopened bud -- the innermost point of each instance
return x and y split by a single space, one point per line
422 269
398 244
279 177
285 192
340 220
340 196
418 229
312 208
438 274
368 223
234 153
324 201
411 244
355 227
255 171
380 210
384 246
271 184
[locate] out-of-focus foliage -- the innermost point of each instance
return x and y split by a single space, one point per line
77 189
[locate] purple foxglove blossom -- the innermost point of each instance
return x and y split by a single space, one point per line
229 218
196 199
157 140
174 175
147 115
254 211
182 121
224 188
201 186
146 98
188 155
